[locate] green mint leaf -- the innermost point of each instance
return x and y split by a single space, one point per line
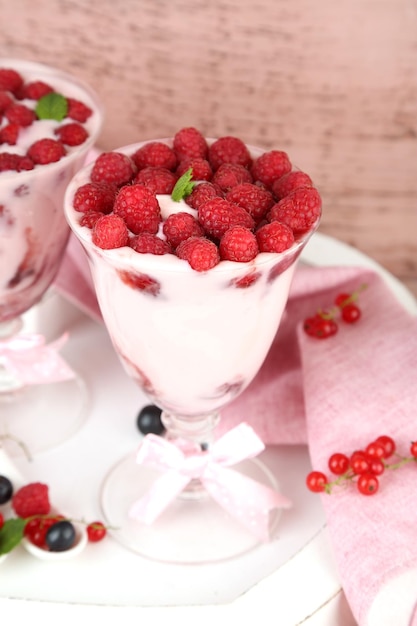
11 534
53 106
183 186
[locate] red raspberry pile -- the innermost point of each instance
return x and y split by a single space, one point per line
363 468
237 206
19 108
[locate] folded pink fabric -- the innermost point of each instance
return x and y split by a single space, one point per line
337 394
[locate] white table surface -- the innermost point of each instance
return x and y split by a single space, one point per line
291 581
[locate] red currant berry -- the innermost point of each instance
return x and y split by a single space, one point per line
316 481
36 529
376 450
338 463
413 449
342 300
320 327
359 462
96 531
310 325
368 484
351 313
1 520
376 466
389 445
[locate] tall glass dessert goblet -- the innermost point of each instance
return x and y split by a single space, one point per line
48 122
192 340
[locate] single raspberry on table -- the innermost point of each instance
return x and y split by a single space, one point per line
289 182
274 237
180 226
78 111
190 143
10 80
238 244
201 253
255 200
114 168
201 193
139 208
94 197
20 114
228 150
159 180
218 215
299 210
229 175
34 90
270 166
147 243
155 154
9 134
110 231
46 151
72 134
201 168
32 499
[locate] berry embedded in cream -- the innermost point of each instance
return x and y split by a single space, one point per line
191 283
48 122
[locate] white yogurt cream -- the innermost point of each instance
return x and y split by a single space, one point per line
33 229
194 340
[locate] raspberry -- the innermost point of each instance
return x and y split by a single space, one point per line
155 154
72 134
274 237
228 150
299 210
109 232
159 180
114 168
190 143
218 215
10 80
20 114
78 111
148 285
229 175
201 168
289 182
146 243
238 244
9 134
94 197
201 193
14 162
139 208
5 101
270 166
180 226
46 151
32 499
255 200
201 253
34 90
90 218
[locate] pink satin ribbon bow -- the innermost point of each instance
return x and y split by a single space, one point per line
32 362
245 499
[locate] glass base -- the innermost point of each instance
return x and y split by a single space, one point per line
191 530
36 418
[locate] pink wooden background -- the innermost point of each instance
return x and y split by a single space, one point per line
333 82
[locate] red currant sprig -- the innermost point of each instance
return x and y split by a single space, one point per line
323 324
362 468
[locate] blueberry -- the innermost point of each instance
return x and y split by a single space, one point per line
149 420
60 536
6 489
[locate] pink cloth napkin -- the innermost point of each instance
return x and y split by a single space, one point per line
337 394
